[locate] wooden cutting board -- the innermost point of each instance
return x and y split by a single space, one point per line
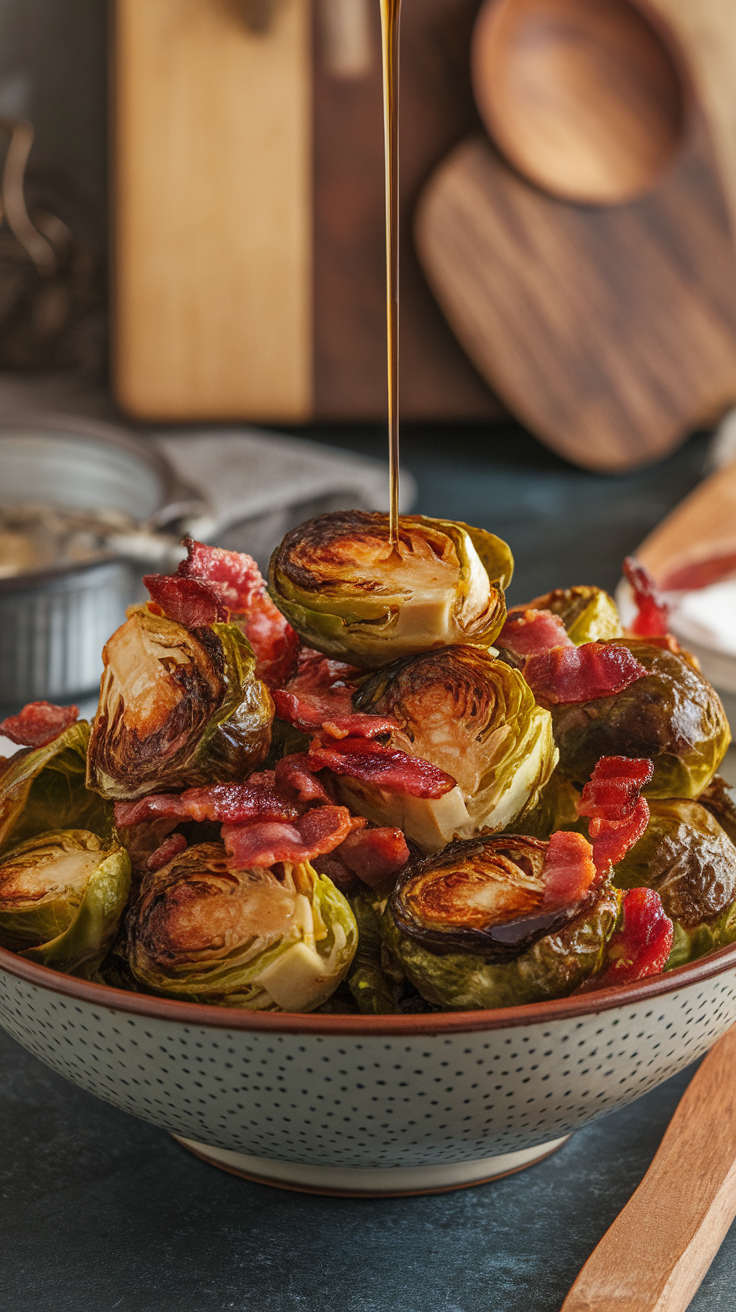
248 206
610 331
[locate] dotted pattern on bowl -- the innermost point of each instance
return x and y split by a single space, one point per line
370 1101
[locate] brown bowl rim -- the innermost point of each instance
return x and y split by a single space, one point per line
148 1006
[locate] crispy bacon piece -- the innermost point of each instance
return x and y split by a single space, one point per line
652 619
232 575
387 767
187 601
306 714
568 871
374 855
257 800
528 632
38 723
641 946
295 779
320 696
317 832
580 674
236 580
170 848
618 814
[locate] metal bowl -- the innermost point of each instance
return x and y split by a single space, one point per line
55 622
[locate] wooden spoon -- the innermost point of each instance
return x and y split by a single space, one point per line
696 544
586 98
654 1256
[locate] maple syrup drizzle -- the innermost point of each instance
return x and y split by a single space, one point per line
390 11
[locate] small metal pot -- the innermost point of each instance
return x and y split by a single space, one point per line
54 623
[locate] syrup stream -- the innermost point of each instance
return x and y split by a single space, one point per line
390 11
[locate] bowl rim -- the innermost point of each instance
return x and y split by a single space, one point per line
149 1006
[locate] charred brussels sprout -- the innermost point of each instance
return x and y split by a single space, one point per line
474 717
671 715
717 798
177 708
588 614
372 985
688 859
243 938
61 897
44 787
469 927
352 595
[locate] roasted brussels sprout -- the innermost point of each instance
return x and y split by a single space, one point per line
244 938
473 717
555 808
588 613
688 859
177 708
671 715
43 788
718 800
371 984
61 897
470 929
350 594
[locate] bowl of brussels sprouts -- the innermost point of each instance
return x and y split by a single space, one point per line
362 884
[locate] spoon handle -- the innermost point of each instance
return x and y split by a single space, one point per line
654 1256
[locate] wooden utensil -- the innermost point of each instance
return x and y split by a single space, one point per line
610 331
696 543
584 97
654 1256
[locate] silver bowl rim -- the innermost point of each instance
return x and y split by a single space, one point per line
199 1014
96 433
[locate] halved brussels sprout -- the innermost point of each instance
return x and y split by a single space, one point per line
474 717
374 989
718 799
688 859
671 715
469 927
348 592
244 938
177 708
61 897
555 808
589 614
43 788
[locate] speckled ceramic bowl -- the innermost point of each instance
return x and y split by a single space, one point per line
370 1104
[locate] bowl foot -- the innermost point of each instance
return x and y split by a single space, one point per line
371 1182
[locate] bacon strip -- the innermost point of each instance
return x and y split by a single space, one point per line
652 619
319 831
320 696
256 800
528 632
38 723
641 946
618 814
374 855
237 582
580 674
569 869
187 601
370 762
170 848
295 779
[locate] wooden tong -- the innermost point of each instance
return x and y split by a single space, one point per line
654 1256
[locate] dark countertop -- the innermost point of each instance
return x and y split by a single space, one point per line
100 1211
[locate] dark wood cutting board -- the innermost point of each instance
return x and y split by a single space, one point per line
610 331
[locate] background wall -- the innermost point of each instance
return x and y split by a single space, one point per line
52 69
